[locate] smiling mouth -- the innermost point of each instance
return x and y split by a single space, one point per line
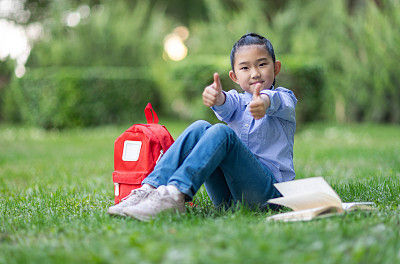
257 82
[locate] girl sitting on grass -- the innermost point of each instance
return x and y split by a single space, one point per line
238 162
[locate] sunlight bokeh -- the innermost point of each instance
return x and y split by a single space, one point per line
13 40
15 44
174 45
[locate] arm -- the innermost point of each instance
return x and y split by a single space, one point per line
282 103
279 103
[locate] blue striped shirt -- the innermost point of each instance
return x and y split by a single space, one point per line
270 138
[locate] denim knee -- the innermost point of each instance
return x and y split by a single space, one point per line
196 130
221 129
200 127
200 124
197 127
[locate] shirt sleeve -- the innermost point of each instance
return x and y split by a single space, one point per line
226 111
283 103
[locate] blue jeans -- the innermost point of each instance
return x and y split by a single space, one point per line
215 156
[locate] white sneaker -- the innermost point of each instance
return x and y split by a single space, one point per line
162 199
135 197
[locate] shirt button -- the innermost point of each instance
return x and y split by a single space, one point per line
246 125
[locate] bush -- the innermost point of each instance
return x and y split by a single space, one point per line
187 81
6 70
306 78
373 92
71 97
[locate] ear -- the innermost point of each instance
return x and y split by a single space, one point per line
277 67
233 76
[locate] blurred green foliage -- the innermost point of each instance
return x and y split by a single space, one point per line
338 56
187 80
5 74
71 97
356 43
115 34
306 78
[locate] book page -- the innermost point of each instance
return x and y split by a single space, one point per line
307 185
309 200
358 206
304 215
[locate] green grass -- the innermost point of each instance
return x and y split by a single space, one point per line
55 188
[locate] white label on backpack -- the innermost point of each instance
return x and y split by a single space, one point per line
131 150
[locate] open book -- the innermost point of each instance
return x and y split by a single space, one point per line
310 198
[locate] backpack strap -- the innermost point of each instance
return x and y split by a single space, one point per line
150 114
156 132
152 118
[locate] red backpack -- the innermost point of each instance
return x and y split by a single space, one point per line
137 151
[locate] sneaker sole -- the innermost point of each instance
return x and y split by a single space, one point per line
147 218
116 212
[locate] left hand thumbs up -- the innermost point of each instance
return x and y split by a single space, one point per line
259 103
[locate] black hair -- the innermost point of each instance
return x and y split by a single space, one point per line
252 39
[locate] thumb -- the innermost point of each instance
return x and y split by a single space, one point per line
217 82
256 92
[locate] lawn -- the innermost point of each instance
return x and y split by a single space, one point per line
55 188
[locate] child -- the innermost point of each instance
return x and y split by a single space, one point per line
238 162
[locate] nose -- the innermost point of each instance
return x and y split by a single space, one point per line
255 74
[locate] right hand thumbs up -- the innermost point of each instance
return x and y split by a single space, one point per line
212 94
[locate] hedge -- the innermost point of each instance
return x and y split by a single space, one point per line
306 78
75 97
189 78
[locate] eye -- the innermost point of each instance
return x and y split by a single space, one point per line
244 68
263 64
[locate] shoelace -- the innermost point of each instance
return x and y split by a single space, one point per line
154 196
153 201
134 195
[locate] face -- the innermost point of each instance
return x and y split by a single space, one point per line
253 64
